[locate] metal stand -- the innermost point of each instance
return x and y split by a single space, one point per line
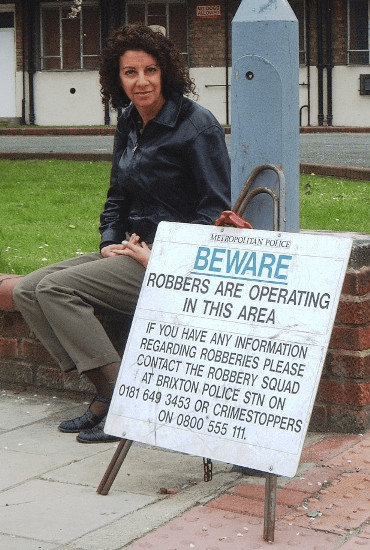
270 488
114 466
270 508
239 207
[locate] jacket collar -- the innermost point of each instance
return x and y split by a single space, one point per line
167 116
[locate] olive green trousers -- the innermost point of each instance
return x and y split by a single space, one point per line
62 305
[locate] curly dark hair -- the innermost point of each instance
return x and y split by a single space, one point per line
137 37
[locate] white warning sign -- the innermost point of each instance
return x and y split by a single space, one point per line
227 344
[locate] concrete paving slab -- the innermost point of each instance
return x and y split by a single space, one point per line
357 457
365 532
324 449
313 480
357 543
59 512
206 529
19 467
146 470
303 470
340 508
20 410
285 496
33 450
43 438
145 520
248 506
17 543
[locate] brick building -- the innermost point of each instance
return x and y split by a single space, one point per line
49 71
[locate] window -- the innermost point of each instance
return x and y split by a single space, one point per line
358 32
298 6
6 20
67 43
170 15
365 84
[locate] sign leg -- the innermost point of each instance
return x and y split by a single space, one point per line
114 466
270 508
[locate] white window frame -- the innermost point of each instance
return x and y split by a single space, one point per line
65 5
7 8
167 3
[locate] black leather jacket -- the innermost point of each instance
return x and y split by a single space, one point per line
177 169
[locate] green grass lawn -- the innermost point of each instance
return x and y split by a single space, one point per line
335 204
49 210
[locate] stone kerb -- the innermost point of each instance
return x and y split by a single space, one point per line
343 399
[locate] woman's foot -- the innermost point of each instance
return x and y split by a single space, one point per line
92 417
96 434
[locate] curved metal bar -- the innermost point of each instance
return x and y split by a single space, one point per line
246 196
259 191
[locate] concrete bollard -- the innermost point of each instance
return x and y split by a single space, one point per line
265 109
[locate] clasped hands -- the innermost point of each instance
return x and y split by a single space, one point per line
133 248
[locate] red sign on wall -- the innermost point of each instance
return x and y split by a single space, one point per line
209 11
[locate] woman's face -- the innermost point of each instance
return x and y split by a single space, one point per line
141 79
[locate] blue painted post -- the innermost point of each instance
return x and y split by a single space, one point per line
265 108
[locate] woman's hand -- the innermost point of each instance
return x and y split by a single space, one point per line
112 250
139 251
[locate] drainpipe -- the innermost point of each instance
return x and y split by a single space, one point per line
226 16
31 66
24 15
329 66
308 60
104 36
320 63
117 13
120 17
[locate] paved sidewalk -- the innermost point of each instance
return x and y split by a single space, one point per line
48 498
159 501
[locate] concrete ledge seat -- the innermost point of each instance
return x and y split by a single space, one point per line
343 399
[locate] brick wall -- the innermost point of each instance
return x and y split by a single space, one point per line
339 30
25 362
207 36
343 398
18 30
19 35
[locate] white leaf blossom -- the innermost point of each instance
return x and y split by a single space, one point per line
76 6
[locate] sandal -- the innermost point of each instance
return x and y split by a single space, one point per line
96 434
85 422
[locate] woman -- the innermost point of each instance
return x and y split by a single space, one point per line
169 163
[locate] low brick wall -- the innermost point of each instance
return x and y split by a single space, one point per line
23 359
343 399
